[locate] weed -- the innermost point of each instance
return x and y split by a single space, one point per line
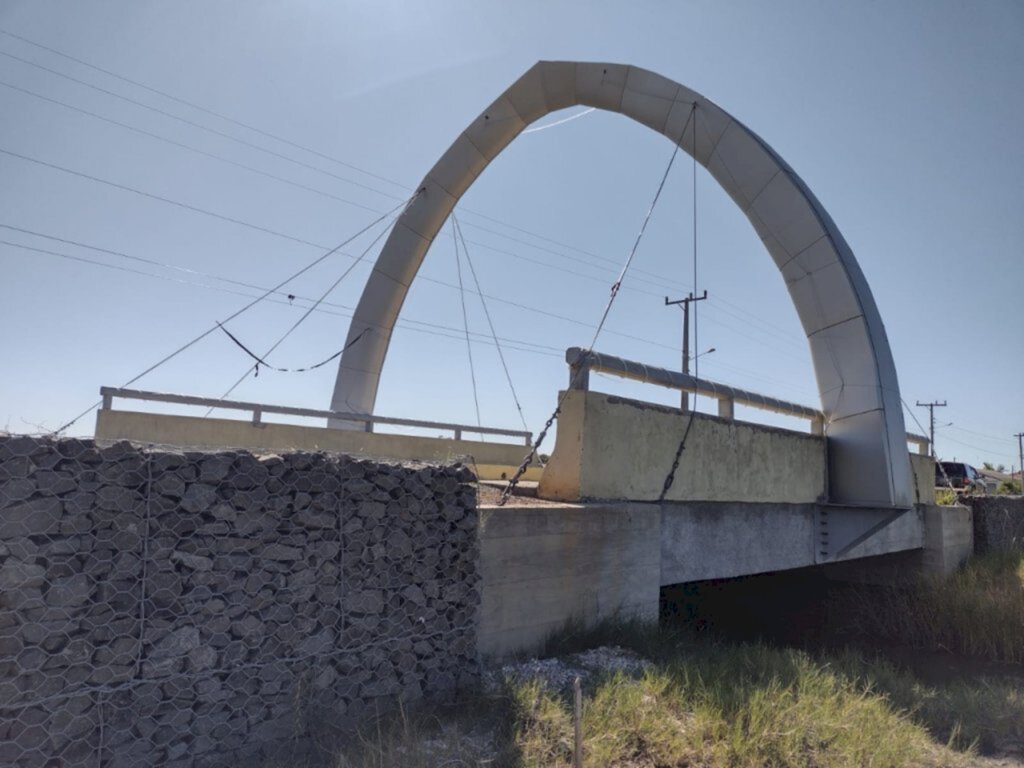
978 611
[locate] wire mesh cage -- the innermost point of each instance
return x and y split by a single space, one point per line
179 608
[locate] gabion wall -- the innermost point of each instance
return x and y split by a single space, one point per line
180 609
998 522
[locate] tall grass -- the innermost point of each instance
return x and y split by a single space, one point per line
712 704
709 704
978 611
703 702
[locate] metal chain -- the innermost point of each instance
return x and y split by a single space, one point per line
671 477
600 325
528 460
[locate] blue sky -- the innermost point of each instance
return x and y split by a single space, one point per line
903 118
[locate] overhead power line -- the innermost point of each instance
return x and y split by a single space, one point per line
260 361
518 305
200 126
247 224
308 312
406 323
248 306
760 326
162 199
189 148
664 282
199 107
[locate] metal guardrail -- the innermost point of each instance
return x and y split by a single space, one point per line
258 409
582 361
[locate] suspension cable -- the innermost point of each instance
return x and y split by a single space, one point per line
670 478
490 322
270 291
465 323
528 459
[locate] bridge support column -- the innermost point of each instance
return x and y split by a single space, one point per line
948 539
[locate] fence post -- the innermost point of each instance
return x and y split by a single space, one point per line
577 719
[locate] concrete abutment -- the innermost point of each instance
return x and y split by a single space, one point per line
542 567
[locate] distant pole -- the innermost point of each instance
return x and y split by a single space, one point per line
1020 455
931 417
685 302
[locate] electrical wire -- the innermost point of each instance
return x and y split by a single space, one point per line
235 314
308 312
193 105
474 213
178 203
534 348
465 323
189 148
762 326
164 265
490 323
200 126
260 361
720 300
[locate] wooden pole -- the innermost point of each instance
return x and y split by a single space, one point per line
577 718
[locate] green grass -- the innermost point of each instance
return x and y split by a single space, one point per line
734 706
978 611
707 703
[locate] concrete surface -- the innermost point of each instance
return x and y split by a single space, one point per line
610 447
923 474
542 566
492 459
708 540
948 538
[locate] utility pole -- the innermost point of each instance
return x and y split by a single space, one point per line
931 415
685 302
1020 455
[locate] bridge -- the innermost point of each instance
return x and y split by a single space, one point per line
602 536
638 496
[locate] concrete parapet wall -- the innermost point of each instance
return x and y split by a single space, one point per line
543 566
195 432
923 473
612 448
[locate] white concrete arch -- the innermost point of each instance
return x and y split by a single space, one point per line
869 463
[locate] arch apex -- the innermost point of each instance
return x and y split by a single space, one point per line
869 462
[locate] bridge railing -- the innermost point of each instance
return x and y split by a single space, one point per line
582 362
258 409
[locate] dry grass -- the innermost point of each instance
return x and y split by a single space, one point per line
704 703
978 611
741 706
